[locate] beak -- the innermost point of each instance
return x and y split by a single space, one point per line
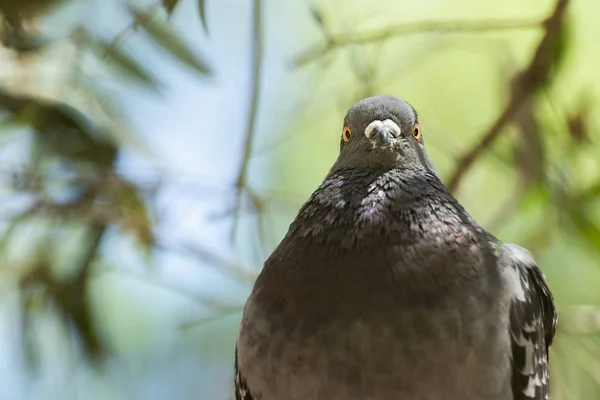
381 134
382 137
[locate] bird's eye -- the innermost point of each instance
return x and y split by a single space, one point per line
417 132
346 134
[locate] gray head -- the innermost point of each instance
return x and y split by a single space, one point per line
382 132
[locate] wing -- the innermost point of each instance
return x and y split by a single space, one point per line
532 327
241 388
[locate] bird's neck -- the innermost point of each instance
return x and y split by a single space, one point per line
357 191
365 203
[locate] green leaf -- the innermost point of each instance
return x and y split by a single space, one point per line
127 64
61 130
170 5
113 124
320 19
113 56
202 11
168 40
130 211
123 62
590 194
586 228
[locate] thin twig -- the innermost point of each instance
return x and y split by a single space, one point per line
379 35
526 83
240 183
154 281
129 29
224 265
221 314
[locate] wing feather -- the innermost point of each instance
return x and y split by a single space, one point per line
533 321
241 388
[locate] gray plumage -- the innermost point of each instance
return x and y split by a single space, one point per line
384 288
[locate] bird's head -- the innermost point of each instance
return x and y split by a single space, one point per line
382 132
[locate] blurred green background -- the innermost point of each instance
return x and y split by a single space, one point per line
152 155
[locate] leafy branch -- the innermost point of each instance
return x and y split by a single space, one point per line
526 83
378 35
132 27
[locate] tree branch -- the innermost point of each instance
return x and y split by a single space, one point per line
526 83
207 301
240 183
378 35
224 265
218 315
129 29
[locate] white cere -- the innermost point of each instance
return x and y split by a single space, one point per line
393 127
374 126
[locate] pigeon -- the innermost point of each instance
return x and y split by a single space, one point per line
385 288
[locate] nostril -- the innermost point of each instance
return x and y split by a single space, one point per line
373 128
374 131
393 127
382 137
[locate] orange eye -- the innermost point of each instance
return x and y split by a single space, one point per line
346 134
416 132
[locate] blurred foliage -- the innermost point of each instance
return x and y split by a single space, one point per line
71 187
524 160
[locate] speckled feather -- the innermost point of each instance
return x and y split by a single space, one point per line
385 288
533 320
241 387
